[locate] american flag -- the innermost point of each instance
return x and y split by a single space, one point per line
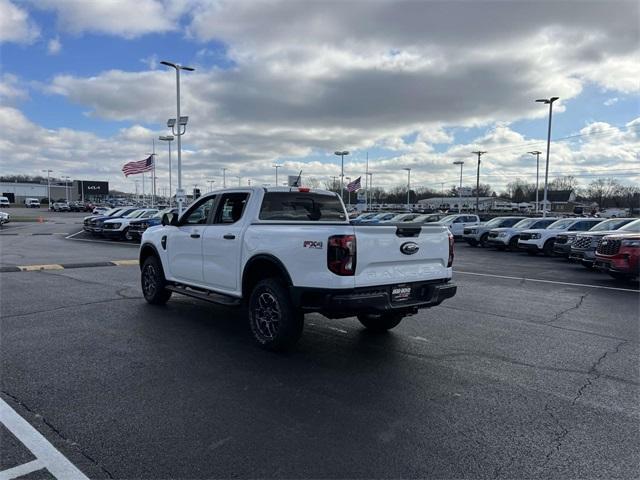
141 166
354 186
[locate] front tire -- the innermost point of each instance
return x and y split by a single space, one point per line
483 240
275 323
380 323
513 243
547 249
126 235
153 282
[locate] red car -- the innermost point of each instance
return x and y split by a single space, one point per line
619 255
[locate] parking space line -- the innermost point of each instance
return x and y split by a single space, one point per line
50 458
555 282
21 470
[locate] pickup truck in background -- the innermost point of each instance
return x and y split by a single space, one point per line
284 252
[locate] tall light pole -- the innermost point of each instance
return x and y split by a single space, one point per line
276 166
537 154
461 163
479 153
168 139
224 178
341 154
548 101
370 174
211 182
179 134
48 186
349 191
408 185
66 187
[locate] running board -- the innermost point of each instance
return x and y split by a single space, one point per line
205 295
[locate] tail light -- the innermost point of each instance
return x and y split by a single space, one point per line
451 242
341 255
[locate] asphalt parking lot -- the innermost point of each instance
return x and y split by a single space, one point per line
531 371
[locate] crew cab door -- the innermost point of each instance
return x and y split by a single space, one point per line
184 243
222 242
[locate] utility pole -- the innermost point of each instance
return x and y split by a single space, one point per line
547 101
224 178
537 154
276 166
479 153
408 185
48 187
461 163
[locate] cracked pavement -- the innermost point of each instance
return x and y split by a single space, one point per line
509 379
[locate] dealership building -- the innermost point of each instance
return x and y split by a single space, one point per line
76 190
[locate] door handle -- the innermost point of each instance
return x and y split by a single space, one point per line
229 236
195 235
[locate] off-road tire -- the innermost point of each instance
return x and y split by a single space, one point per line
153 282
380 323
275 323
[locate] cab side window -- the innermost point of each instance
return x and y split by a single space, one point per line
200 213
231 208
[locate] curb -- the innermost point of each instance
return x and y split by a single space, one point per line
68 266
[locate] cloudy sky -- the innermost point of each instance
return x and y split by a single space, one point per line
415 84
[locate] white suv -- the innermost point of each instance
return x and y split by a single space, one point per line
458 222
542 240
504 237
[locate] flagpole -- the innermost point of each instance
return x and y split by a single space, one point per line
143 195
153 159
366 185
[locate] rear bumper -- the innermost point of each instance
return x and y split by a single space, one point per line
338 303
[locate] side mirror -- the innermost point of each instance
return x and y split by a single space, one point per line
170 219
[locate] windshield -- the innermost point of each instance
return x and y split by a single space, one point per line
612 224
633 227
562 224
448 218
111 212
134 214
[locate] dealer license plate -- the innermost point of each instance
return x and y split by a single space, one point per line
400 293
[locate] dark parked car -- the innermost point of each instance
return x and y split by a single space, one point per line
138 227
94 225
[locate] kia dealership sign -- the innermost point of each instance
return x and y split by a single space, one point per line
87 187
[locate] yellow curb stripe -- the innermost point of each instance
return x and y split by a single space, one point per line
121 263
32 268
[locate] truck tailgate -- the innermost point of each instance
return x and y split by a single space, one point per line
397 254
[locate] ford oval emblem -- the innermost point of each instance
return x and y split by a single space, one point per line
409 248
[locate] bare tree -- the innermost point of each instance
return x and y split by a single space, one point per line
603 189
567 182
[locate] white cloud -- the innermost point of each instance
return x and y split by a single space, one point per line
11 90
54 46
610 101
114 17
15 24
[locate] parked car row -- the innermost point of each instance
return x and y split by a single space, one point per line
123 223
611 245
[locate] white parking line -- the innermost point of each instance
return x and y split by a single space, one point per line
46 454
91 240
548 281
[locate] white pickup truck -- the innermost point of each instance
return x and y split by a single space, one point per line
283 252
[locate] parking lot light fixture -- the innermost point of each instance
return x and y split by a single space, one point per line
177 132
461 163
547 101
537 154
341 154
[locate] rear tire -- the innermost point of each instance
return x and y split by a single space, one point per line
380 323
275 323
153 282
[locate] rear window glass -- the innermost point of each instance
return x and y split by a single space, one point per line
301 207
